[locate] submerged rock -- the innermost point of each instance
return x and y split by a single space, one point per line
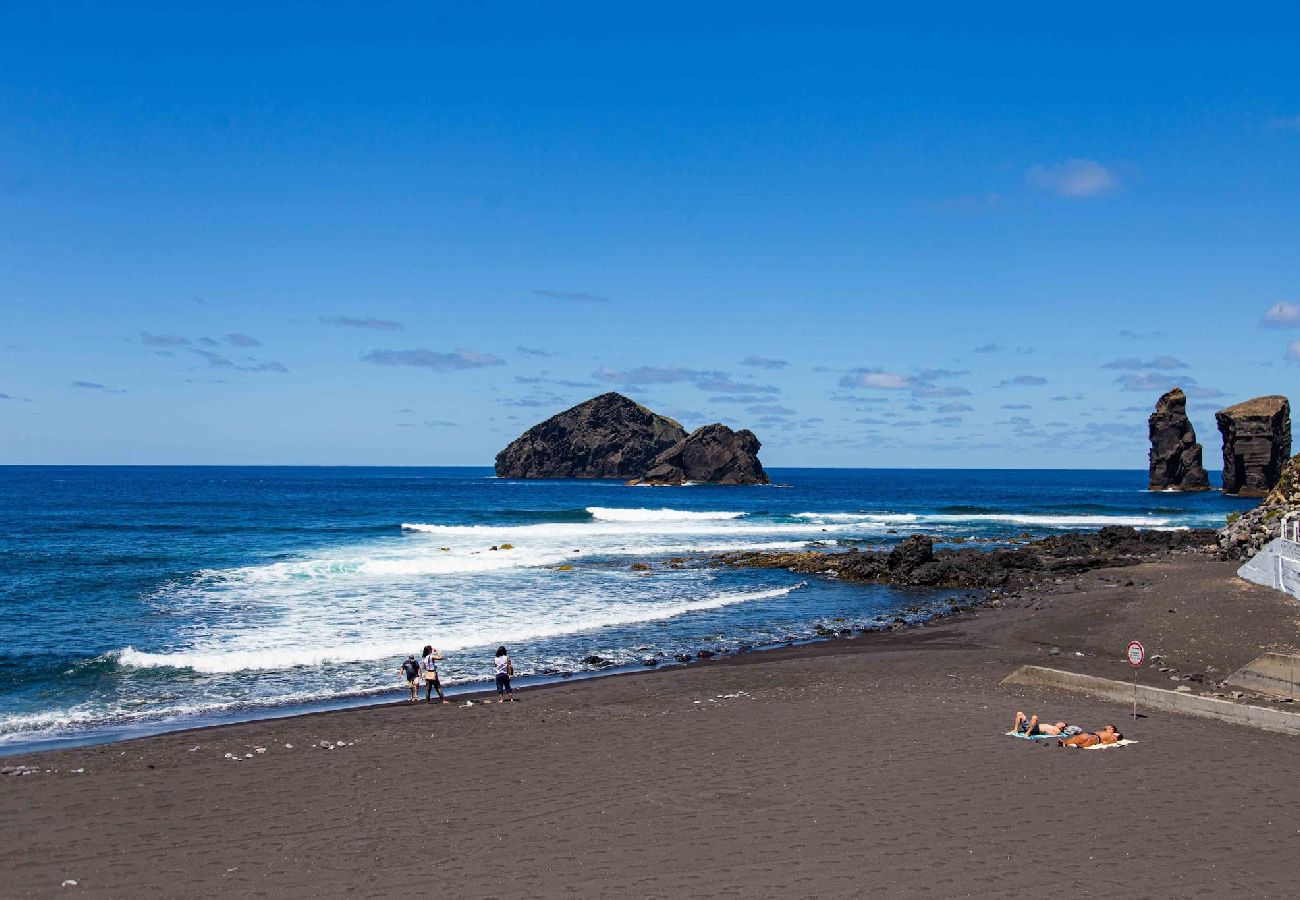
713 454
1256 444
1245 533
608 436
1175 457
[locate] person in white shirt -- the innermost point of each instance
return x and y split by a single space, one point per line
504 670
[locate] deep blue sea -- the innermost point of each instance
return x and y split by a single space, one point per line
142 599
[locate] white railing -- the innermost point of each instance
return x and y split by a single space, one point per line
1291 528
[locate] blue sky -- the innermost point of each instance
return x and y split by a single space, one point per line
400 234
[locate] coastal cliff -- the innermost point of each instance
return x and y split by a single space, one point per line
713 454
1256 444
608 436
1175 457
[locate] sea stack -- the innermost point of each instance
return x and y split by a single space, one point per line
608 436
1175 458
1256 444
713 454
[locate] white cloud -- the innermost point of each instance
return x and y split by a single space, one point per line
1073 178
877 379
433 359
1282 315
1293 351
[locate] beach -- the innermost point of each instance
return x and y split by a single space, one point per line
870 765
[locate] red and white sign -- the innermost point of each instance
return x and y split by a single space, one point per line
1137 654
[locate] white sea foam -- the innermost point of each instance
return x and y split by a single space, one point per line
611 514
278 650
1043 521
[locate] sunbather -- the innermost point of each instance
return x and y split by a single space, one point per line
1107 735
1029 726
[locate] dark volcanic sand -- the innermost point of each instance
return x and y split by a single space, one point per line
872 766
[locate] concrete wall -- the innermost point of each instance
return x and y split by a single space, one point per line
1276 565
1150 698
1271 673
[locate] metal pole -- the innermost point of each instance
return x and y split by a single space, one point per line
1135 693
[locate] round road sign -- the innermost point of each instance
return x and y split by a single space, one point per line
1136 653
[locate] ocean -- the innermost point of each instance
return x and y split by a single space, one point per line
135 600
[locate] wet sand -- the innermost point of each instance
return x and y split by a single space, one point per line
868 766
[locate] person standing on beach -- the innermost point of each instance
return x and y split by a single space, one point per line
411 672
429 668
505 669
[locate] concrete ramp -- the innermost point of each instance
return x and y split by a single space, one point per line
1274 674
1276 565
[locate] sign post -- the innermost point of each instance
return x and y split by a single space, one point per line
1137 655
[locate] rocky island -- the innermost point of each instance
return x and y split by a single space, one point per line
611 436
1256 444
713 454
1175 458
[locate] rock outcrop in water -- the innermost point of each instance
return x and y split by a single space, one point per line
713 454
1247 532
1175 457
608 436
915 562
1256 444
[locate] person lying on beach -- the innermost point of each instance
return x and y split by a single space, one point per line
429 669
1029 726
1107 735
411 672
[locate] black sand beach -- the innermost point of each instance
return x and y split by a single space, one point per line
874 765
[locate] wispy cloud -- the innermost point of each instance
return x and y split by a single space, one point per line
1152 381
1074 178
533 351
1016 406
920 384
987 348
163 340
571 296
1286 123
96 386
1282 315
705 380
239 339
1160 362
433 360
1023 381
763 362
770 409
353 322
217 361
1140 335
1293 351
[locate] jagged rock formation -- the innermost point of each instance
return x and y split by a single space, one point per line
915 562
714 454
608 436
1256 444
1175 458
1247 532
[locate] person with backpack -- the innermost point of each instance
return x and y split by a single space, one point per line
411 672
505 669
429 669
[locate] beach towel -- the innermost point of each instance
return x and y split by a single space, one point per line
1033 737
1122 743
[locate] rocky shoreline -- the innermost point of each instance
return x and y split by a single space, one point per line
915 562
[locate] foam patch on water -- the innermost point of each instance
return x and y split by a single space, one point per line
1042 521
610 514
275 654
